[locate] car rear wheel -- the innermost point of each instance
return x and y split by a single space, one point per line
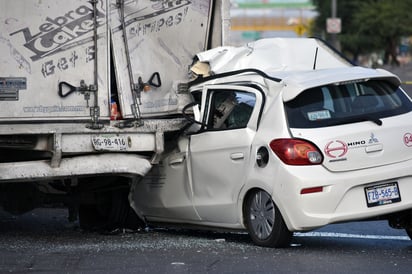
264 221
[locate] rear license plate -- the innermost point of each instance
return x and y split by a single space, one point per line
110 142
382 194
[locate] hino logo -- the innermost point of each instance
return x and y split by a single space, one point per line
60 33
336 149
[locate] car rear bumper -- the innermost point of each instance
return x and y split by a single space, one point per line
340 196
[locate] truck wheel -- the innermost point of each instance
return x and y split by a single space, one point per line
111 212
89 218
264 221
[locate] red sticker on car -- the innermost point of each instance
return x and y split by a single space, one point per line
336 149
407 139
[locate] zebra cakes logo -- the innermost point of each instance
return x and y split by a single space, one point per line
61 33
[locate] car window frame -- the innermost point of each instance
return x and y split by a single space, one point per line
254 119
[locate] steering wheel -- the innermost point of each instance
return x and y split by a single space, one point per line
189 117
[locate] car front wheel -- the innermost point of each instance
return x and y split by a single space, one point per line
264 221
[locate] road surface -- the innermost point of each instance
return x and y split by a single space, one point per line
43 241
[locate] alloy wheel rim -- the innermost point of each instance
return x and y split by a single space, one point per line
262 215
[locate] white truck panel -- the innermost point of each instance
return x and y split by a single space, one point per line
44 43
162 37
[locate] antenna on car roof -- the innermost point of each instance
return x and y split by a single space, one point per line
316 57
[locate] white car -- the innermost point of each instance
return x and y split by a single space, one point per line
287 136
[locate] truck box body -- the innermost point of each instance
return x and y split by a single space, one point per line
45 44
66 67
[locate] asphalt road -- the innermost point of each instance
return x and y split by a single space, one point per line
43 241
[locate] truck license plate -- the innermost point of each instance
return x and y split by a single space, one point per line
382 194
110 142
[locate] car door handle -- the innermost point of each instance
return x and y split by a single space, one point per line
237 156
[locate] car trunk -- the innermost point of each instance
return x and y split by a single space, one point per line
362 145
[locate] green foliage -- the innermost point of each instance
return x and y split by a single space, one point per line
367 25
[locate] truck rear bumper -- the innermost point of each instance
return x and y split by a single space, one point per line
109 163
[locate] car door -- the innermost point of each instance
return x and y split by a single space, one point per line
219 155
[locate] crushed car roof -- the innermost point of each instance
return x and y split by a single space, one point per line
300 63
282 54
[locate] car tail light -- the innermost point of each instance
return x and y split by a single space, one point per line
296 151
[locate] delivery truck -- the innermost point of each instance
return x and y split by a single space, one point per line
91 93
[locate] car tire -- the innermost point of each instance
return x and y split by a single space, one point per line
264 221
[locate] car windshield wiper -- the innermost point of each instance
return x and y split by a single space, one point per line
361 118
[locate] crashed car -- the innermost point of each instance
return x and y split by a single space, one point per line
286 135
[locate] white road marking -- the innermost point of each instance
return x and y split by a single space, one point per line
347 235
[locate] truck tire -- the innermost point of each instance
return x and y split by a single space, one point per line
112 212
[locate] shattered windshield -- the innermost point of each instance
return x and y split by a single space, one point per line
346 103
